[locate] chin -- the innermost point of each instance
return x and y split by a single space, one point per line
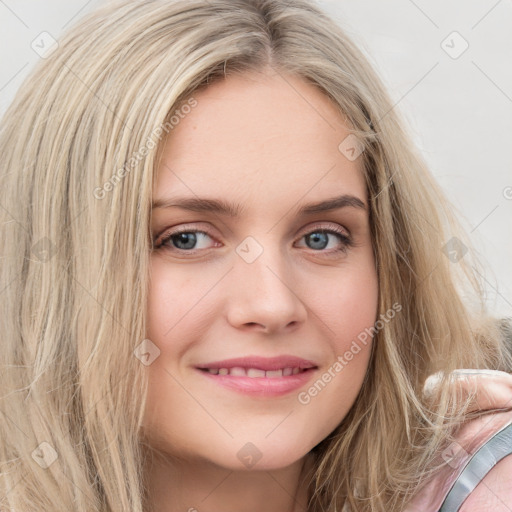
260 457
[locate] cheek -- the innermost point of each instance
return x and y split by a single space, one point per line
349 307
351 315
174 297
159 302
169 309
348 313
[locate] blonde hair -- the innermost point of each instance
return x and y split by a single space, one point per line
80 146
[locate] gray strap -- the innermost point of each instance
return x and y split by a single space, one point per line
482 461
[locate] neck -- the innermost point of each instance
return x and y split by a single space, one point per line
201 486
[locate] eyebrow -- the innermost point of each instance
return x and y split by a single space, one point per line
222 207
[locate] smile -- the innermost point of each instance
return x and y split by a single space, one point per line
254 373
255 382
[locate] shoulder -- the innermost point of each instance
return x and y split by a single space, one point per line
494 492
472 475
462 470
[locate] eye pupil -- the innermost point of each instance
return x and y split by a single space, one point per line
321 238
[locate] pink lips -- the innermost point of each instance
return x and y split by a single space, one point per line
261 385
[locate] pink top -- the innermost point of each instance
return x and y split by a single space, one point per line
493 493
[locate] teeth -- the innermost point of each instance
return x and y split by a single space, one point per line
255 373
274 373
237 371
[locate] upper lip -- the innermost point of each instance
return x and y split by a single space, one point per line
262 363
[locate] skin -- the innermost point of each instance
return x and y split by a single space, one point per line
268 142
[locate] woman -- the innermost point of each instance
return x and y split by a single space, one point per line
225 283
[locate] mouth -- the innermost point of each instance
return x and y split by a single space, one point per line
259 376
255 373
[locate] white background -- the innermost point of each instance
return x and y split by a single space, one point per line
459 110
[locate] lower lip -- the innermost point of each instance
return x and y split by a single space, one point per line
262 386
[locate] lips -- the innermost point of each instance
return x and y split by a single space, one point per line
260 376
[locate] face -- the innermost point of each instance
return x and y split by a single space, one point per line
246 269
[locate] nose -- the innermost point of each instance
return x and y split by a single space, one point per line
264 295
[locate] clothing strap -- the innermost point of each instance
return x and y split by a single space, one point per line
482 461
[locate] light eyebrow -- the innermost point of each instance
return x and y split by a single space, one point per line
344 201
222 207
197 204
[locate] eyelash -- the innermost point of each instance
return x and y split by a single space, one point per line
346 242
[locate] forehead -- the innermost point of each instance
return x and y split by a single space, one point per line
259 133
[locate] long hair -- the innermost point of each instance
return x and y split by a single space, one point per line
80 146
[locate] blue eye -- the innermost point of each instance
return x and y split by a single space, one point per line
319 239
183 240
191 240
